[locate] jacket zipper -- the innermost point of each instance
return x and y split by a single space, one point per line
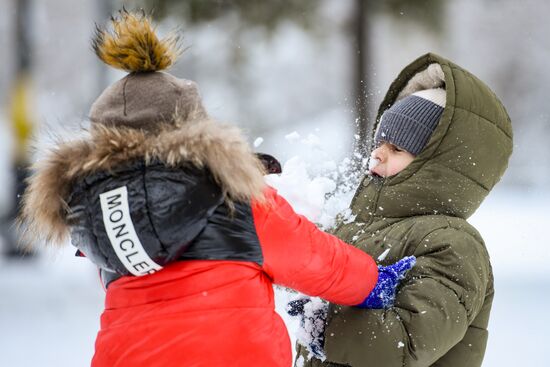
372 208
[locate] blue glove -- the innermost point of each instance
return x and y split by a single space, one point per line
383 294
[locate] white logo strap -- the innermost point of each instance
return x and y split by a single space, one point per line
122 234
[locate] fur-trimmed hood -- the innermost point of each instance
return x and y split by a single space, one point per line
204 143
465 157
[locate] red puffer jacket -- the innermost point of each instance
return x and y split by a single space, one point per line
221 312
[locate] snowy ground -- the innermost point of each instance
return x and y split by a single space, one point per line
50 306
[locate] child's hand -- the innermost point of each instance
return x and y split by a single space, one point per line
383 294
312 313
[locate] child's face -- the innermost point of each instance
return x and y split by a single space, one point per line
389 160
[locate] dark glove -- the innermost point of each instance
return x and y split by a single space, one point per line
270 163
313 315
383 294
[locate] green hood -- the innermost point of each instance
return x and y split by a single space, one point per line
465 157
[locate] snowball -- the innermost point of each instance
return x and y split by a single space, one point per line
306 195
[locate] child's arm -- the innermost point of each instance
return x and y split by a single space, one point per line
300 256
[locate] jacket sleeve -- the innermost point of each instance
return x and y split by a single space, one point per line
300 256
441 297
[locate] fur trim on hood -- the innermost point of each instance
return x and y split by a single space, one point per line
205 143
431 77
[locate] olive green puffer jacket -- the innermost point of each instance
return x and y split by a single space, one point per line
442 309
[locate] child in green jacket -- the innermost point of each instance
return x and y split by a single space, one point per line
442 141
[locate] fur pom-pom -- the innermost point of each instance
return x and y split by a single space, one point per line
133 45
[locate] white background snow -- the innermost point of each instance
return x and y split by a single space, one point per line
299 109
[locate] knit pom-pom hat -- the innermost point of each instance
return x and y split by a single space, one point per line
147 97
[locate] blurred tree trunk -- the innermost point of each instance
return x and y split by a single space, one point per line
21 118
23 35
104 10
360 59
22 126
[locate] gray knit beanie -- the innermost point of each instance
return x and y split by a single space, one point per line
410 122
147 98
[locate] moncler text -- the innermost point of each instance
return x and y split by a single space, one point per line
122 234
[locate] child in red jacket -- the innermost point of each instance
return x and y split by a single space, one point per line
172 208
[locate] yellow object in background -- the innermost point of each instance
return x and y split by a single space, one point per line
21 118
